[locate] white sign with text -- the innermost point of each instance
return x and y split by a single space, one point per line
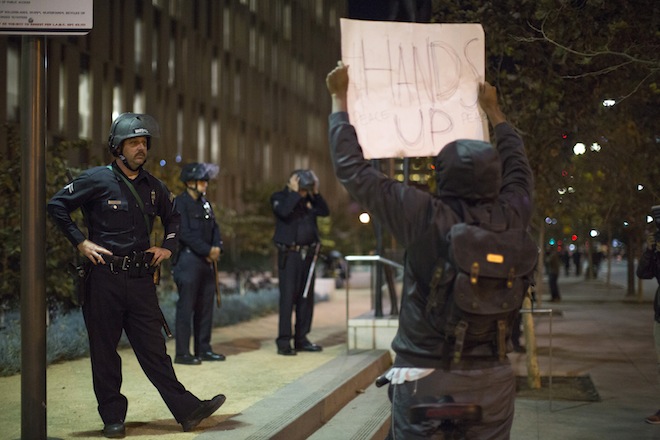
413 86
46 17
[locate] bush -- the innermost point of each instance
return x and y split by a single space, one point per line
67 337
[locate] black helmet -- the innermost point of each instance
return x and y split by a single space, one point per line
130 125
306 179
198 171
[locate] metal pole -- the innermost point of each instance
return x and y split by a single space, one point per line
33 223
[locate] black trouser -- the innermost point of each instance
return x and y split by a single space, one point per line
114 303
293 270
195 279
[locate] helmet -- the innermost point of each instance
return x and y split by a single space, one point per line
198 171
130 125
307 179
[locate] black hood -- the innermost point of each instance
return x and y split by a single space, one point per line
468 169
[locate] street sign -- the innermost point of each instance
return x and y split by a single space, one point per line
46 17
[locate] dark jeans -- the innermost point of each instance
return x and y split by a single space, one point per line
114 303
293 270
493 389
554 286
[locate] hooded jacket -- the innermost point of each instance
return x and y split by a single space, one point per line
471 176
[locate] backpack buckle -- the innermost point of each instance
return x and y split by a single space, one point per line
509 280
474 273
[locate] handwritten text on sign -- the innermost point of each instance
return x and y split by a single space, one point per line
413 86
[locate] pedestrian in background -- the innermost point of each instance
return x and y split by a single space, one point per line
120 203
553 266
649 267
195 269
472 176
296 208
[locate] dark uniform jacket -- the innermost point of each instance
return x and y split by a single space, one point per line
296 217
113 217
199 229
647 268
420 220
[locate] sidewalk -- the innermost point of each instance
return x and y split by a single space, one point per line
596 332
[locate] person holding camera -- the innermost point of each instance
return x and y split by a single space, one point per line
649 267
296 237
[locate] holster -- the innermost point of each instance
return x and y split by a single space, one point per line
80 274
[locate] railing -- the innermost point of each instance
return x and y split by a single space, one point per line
388 265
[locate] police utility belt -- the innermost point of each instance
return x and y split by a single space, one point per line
138 264
295 247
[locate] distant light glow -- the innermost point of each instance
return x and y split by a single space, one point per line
595 147
594 233
649 219
640 187
163 162
579 149
364 218
609 103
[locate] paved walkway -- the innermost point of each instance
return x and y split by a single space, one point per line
596 332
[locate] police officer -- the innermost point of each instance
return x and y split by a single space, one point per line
195 271
119 204
296 208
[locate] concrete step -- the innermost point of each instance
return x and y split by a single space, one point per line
302 407
367 417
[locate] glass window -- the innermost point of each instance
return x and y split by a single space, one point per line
84 105
13 82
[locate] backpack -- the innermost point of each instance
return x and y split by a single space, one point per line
479 287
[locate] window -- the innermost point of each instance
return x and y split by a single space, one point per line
13 82
84 104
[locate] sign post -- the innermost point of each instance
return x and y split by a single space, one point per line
33 19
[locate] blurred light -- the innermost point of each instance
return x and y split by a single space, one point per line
640 187
548 220
551 242
163 162
572 247
625 224
574 237
594 233
579 149
616 243
178 158
649 219
595 147
571 190
364 218
609 103
561 191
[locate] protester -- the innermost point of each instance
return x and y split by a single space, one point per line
120 203
469 174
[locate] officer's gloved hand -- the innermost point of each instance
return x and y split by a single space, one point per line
294 181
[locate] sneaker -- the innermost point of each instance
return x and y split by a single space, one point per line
654 419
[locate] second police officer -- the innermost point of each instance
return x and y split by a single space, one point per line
195 269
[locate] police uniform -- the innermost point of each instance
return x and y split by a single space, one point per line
122 294
195 276
296 236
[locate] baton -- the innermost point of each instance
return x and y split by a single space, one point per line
166 327
310 274
218 299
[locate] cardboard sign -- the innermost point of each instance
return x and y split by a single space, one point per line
46 17
413 86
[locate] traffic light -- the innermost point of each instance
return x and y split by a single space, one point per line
574 237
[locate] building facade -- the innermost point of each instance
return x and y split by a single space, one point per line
240 83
